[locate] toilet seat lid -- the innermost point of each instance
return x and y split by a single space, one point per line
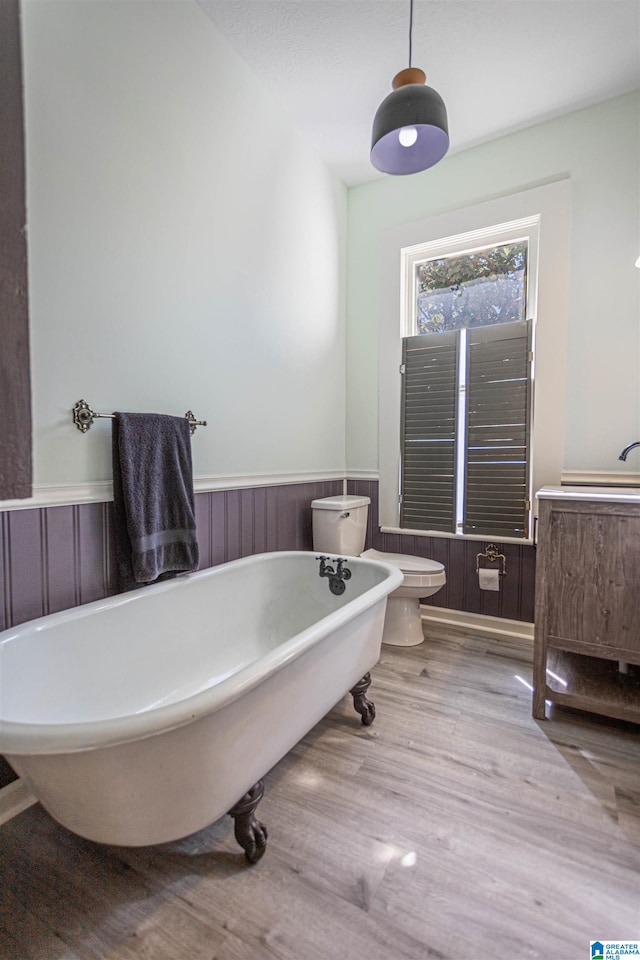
340 504
404 562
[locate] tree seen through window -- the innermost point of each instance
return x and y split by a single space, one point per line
468 290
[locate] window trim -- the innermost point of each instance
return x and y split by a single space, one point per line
525 231
548 206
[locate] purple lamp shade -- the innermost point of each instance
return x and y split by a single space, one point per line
415 108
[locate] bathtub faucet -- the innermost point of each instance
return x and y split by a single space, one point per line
336 575
623 455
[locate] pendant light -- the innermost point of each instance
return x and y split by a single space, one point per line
410 130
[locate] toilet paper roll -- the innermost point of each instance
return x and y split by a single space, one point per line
489 579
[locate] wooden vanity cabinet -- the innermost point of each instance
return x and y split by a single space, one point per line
587 613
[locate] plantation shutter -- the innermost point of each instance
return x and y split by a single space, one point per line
428 432
498 406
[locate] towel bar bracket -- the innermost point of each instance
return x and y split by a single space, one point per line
83 417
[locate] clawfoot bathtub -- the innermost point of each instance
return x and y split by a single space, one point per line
145 717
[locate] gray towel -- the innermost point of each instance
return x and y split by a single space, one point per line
153 508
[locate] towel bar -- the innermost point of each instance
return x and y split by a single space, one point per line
83 417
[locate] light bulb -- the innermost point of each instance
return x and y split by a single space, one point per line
408 136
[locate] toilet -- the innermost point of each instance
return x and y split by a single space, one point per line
340 529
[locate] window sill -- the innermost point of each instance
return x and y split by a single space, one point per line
527 541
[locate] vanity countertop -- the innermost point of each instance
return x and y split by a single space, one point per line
606 494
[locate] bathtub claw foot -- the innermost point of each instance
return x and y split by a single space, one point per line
249 832
364 707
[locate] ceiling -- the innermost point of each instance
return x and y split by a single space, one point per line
500 65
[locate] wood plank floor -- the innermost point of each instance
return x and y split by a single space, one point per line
454 827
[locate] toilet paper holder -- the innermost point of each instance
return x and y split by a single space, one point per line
492 554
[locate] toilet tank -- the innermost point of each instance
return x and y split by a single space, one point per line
340 525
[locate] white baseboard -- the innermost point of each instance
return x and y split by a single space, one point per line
14 798
480 623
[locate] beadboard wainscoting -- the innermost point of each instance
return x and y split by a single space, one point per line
514 600
53 558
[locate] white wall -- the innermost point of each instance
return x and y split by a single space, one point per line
186 246
598 148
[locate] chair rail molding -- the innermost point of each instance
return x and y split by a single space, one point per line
101 491
362 475
601 478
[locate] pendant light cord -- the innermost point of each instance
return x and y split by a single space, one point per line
410 28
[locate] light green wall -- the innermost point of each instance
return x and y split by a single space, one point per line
599 149
186 245
187 250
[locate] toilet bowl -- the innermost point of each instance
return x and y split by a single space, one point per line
422 578
340 528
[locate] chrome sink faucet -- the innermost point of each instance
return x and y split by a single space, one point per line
623 455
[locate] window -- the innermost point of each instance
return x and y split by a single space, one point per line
473 289
466 394
541 218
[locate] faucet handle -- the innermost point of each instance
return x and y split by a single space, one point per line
325 569
344 573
